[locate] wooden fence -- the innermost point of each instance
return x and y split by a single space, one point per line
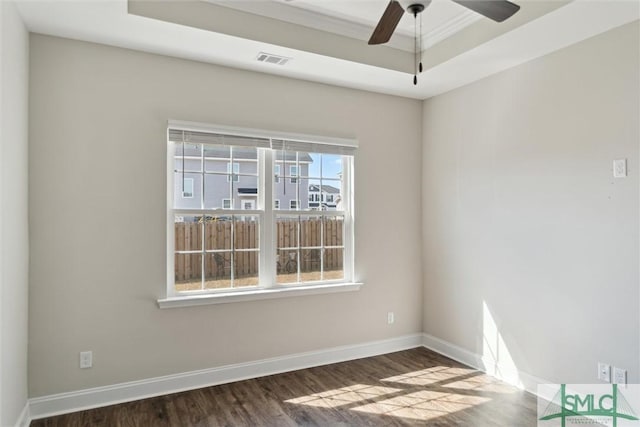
218 236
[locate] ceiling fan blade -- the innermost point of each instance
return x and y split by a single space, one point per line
387 24
498 10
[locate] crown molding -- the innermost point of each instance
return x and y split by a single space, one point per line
357 30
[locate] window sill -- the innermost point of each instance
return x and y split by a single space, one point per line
258 294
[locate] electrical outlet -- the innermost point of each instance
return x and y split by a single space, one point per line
86 359
390 318
604 372
619 376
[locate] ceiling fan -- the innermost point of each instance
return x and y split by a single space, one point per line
497 10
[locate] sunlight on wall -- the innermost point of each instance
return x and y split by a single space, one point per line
495 355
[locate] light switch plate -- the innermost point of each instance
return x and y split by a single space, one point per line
604 372
620 168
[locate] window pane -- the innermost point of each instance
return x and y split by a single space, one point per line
333 264
192 184
192 159
217 233
277 172
247 231
287 245
246 269
188 272
310 265
331 195
216 158
286 232
187 233
294 172
232 172
216 188
303 194
246 187
285 191
287 266
218 270
310 231
332 233
331 166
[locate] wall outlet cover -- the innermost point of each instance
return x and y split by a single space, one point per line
619 376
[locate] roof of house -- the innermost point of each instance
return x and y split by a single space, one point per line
325 188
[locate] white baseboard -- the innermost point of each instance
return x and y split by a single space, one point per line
25 418
46 406
503 372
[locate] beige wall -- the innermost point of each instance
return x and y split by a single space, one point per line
97 215
521 212
14 239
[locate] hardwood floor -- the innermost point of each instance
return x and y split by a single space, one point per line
407 388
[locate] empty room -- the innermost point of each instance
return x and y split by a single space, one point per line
320 213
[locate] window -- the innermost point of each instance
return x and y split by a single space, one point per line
293 173
276 171
233 174
187 189
215 245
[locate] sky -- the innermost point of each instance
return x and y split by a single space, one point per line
331 165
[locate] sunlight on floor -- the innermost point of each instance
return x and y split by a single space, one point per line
423 405
482 383
429 376
344 396
495 354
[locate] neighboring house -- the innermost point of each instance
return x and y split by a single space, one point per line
231 179
325 199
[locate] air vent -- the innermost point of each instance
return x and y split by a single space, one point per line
272 59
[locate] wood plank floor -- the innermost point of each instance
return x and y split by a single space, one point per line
407 388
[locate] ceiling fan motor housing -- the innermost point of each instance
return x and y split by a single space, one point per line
415 7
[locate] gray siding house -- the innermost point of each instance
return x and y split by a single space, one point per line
325 199
231 178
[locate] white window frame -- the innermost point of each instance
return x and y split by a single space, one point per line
266 214
226 200
297 204
276 204
184 183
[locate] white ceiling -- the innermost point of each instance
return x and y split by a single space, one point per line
109 22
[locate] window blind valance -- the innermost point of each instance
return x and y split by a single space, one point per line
184 132
194 137
313 147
